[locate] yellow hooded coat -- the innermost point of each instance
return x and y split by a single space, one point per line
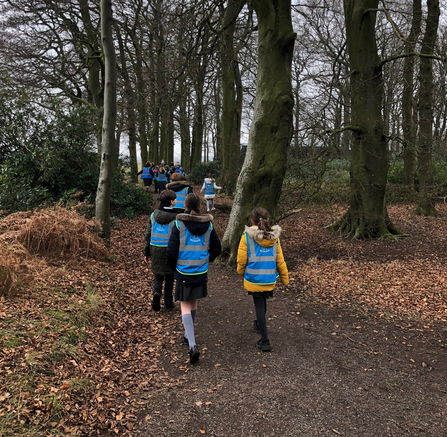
265 241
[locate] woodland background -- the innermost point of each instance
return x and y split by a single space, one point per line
352 143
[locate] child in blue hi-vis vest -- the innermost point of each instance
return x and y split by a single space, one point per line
210 187
260 262
162 179
158 231
146 175
192 246
181 188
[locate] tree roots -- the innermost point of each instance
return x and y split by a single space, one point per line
358 228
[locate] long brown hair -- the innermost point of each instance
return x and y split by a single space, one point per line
260 219
192 203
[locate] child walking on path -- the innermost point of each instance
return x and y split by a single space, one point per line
156 241
146 175
192 246
260 261
209 186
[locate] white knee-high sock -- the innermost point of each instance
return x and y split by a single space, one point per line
189 329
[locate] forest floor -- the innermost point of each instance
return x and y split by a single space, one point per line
358 342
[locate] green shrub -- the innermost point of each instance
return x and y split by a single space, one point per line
396 171
199 172
129 201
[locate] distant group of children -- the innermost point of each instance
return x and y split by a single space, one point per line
180 241
161 174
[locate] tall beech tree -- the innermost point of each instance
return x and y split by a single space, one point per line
103 193
367 216
231 96
426 204
261 177
409 109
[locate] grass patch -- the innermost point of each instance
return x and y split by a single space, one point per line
36 342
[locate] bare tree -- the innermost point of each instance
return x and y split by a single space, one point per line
102 210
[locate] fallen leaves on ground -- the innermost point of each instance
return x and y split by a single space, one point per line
79 346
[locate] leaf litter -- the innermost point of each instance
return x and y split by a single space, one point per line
80 344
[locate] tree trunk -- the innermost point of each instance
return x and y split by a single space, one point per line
103 193
408 127
217 142
230 110
367 215
262 174
426 205
346 138
94 65
130 110
185 134
197 129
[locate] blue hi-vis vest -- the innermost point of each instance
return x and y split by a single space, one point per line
261 266
181 196
162 177
209 188
193 255
160 233
146 173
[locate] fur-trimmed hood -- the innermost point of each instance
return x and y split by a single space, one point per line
177 185
196 224
264 240
195 218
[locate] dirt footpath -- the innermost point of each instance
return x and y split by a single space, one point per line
330 372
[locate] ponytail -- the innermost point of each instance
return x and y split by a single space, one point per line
260 217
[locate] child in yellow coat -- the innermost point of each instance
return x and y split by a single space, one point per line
260 261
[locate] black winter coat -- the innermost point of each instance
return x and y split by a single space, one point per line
197 225
159 261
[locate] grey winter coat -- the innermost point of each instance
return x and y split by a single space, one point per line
159 261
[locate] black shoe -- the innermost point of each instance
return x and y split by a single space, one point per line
169 307
156 302
194 354
256 327
263 345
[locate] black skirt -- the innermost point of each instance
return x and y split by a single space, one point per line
185 293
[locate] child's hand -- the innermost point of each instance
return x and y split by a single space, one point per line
146 259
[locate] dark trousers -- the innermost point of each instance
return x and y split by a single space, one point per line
169 286
260 301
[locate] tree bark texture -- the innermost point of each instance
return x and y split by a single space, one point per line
95 66
185 133
103 193
367 215
231 112
408 107
426 204
130 109
262 174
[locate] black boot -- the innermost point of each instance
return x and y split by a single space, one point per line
194 354
264 345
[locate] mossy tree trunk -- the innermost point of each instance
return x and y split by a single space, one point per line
130 109
408 107
231 112
261 177
367 215
197 128
185 134
103 193
426 205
